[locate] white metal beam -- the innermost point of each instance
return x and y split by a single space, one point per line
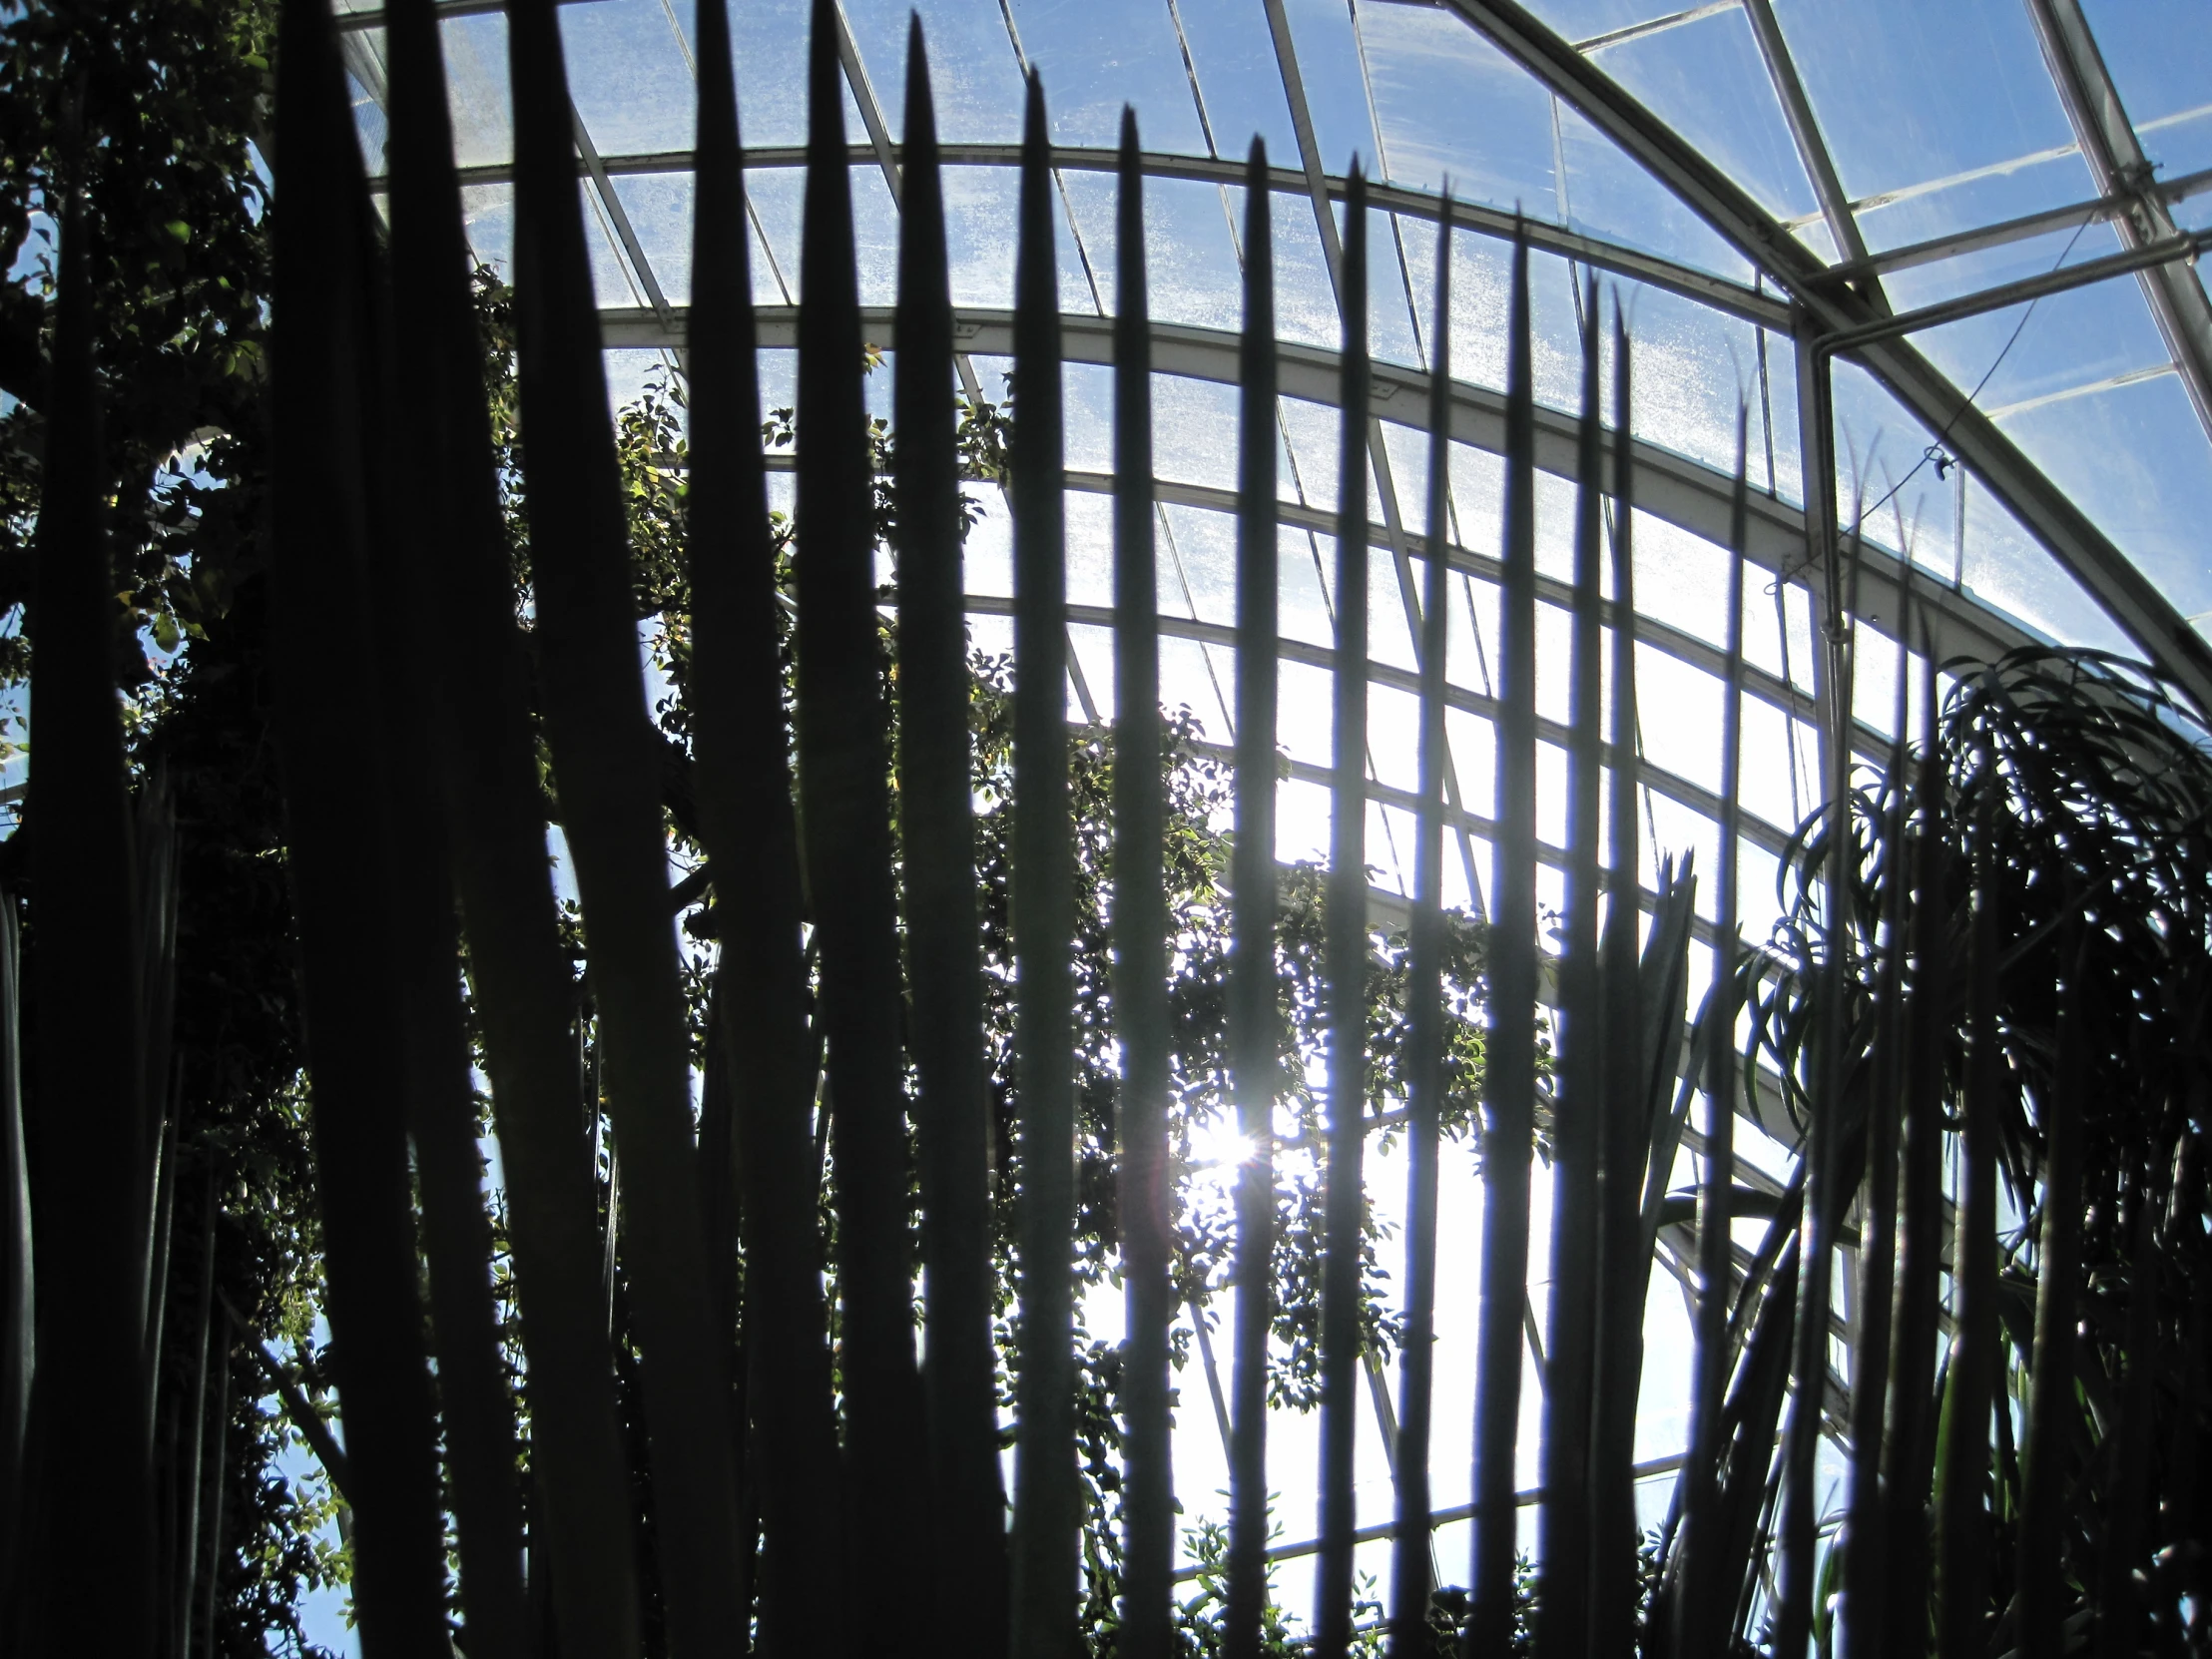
2116 162
2081 548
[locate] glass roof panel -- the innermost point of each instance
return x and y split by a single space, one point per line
1933 209
1096 57
768 42
2135 460
2064 341
659 205
1609 195
976 79
1707 81
1329 66
631 79
476 89
1693 367
1449 105
2009 570
2159 54
1888 79
1238 80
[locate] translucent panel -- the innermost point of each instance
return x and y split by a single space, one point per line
776 197
1304 299
1477 504
1874 686
488 213
611 279
1609 195
1239 80
1554 663
874 235
2067 340
1481 294
768 42
627 75
1474 758
1678 712
1551 811
974 78
1694 368
1408 454
2136 461
988 553
1886 85
1389 633
1194 432
1682 580
1885 478
1395 334
1207 544
1304 726
1466 648
628 373
364 85
1327 54
1301 836
1938 205
1556 502
1090 548
1581 20
475 49
2160 57
1191 264
1708 82
1308 579
1778 629
1769 788
1093 658
1452 106
2007 569
1187 681
659 207
1680 833
1095 58
1312 435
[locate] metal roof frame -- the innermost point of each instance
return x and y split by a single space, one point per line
1829 306
2117 161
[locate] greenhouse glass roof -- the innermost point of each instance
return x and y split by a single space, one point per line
1990 210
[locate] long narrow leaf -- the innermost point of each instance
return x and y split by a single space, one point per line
1412 1556
1346 959
1509 1076
83 989
742 742
451 569
1626 1132
324 374
1254 1035
1693 1626
1045 1518
1140 918
845 816
1571 1345
607 769
1963 1518
946 975
1908 1450
1865 1576
2051 1410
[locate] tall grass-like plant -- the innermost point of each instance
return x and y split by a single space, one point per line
2003 931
